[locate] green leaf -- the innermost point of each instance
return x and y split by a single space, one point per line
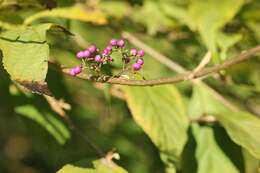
116 9
75 169
100 166
205 101
19 3
48 121
225 42
77 12
26 55
159 110
208 17
209 155
150 10
243 128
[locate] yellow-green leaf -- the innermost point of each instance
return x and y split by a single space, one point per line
100 166
77 12
159 110
26 54
243 128
211 158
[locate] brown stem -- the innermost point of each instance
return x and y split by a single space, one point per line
245 55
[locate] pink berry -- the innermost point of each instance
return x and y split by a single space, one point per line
136 66
109 48
80 54
140 61
72 72
105 52
98 58
77 70
92 49
133 52
110 58
113 42
120 43
140 53
87 53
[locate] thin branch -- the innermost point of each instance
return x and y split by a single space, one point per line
205 60
156 55
204 119
136 42
245 55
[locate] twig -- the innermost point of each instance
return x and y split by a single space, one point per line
205 60
178 78
156 55
180 69
204 119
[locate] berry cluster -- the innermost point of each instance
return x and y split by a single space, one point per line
94 59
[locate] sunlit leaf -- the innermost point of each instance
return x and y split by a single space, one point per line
77 12
209 16
243 128
26 54
150 10
160 112
208 153
116 9
211 158
100 166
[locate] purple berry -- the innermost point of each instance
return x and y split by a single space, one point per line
127 60
113 42
133 52
80 54
105 52
136 66
77 70
92 49
98 58
140 53
72 72
140 61
109 48
110 58
120 43
87 53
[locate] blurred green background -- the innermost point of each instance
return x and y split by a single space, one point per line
183 30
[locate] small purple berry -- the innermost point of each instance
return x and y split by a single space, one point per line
109 48
98 58
92 49
140 61
136 67
127 60
105 52
113 42
77 70
140 53
120 43
87 53
133 52
80 54
72 72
